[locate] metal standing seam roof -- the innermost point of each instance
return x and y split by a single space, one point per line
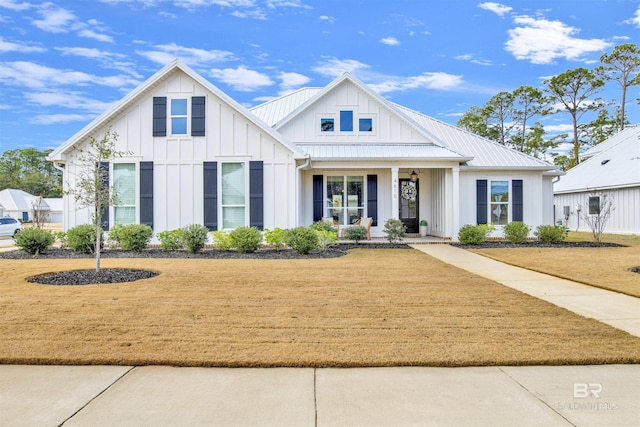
330 151
613 140
614 167
271 112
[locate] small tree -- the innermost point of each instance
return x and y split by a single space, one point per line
40 215
597 214
91 189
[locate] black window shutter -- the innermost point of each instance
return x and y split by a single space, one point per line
159 116
318 196
256 195
372 198
210 174
516 200
146 193
197 115
104 173
481 201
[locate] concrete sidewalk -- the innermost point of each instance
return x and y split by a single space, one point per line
163 396
615 309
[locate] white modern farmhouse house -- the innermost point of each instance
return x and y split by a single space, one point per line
196 156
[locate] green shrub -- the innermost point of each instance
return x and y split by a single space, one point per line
474 234
302 239
61 236
516 232
246 239
222 240
326 239
194 237
132 237
324 226
551 233
82 238
275 238
394 229
355 233
33 240
171 240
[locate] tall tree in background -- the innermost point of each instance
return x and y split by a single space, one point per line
573 90
529 102
476 120
623 66
499 111
29 170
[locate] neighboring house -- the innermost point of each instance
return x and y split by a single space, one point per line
612 168
55 210
20 205
342 151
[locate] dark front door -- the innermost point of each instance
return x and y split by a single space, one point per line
409 205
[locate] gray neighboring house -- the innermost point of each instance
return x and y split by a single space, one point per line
612 168
19 204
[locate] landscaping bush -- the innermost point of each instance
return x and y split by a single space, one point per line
171 240
33 240
194 237
302 239
326 239
246 239
62 238
516 232
474 234
548 234
82 238
132 237
394 229
324 226
355 233
222 240
275 238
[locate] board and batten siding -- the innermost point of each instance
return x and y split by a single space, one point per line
624 219
387 127
229 136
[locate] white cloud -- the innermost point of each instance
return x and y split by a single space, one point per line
542 42
67 99
334 67
469 57
14 5
36 76
166 53
635 20
50 119
291 81
90 34
18 47
241 78
428 80
497 8
329 19
566 128
391 41
54 19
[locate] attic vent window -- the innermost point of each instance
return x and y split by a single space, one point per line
604 162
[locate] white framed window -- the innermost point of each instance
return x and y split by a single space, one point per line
124 186
345 198
233 189
499 202
179 116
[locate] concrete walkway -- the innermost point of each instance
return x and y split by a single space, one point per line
615 309
164 396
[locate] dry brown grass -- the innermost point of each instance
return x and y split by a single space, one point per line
604 267
371 308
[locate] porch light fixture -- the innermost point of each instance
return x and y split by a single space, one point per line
414 176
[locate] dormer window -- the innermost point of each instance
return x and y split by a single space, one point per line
365 125
326 125
346 121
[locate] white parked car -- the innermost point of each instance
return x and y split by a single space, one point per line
9 226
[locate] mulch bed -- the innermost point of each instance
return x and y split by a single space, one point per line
501 244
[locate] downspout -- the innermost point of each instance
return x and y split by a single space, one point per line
61 167
305 165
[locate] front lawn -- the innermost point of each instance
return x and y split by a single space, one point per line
604 267
373 307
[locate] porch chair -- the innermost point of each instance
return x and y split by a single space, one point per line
366 223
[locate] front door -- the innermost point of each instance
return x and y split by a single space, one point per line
409 205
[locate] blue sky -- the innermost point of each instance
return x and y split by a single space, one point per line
62 63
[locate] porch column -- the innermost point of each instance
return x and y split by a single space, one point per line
455 192
395 201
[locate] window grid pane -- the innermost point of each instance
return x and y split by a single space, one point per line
365 125
124 185
326 125
233 195
346 121
499 205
